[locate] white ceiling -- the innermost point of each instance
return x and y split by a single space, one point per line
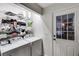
44 5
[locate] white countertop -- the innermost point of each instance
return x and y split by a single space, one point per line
18 43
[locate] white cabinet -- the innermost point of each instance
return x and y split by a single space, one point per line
37 49
9 53
21 51
32 49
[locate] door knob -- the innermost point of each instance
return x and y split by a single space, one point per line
54 39
54 35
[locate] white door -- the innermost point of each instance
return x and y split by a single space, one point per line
64 28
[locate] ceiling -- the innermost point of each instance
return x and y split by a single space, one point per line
44 5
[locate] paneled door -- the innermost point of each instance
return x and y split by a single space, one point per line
64 32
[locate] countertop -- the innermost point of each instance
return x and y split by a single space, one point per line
18 43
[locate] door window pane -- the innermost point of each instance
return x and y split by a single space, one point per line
70 27
64 35
64 18
70 17
64 26
58 34
58 19
70 35
58 23
58 26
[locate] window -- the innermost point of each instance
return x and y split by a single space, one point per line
65 26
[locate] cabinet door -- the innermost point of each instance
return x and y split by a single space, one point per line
37 48
9 53
21 51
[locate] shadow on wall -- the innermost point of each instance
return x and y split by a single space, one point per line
40 29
